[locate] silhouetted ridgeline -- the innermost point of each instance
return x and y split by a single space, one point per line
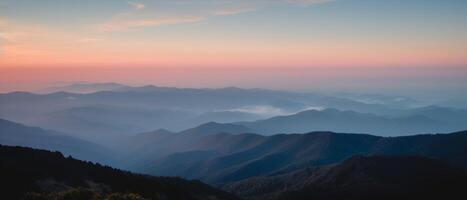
361 178
224 158
40 173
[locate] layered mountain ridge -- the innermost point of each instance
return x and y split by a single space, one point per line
37 174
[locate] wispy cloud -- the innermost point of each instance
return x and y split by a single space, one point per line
128 24
307 2
3 23
132 19
89 40
138 19
262 110
231 11
10 36
12 33
136 5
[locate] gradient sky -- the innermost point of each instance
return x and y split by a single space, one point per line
251 43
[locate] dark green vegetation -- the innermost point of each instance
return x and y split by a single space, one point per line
32 174
376 177
39 174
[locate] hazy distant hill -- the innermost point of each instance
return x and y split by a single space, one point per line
414 121
224 158
84 87
213 127
181 98
100 122
127 110
40 173
392 100
439 113
223 117
139 150
19 135
376 177
103 115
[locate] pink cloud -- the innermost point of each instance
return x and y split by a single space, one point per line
136 5
127 24
231 11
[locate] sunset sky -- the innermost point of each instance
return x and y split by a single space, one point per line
249 43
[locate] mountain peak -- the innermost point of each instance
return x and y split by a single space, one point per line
214 127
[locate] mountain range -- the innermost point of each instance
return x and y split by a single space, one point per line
223 158
15 134
38 174
228 157
432 119
255 143
223 153
129 110
360 177
115 111
84 87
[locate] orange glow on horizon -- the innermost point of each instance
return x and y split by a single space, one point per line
39 46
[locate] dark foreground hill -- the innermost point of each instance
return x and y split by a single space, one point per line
359 177
39 174
224 158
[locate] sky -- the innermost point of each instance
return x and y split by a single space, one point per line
287 44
